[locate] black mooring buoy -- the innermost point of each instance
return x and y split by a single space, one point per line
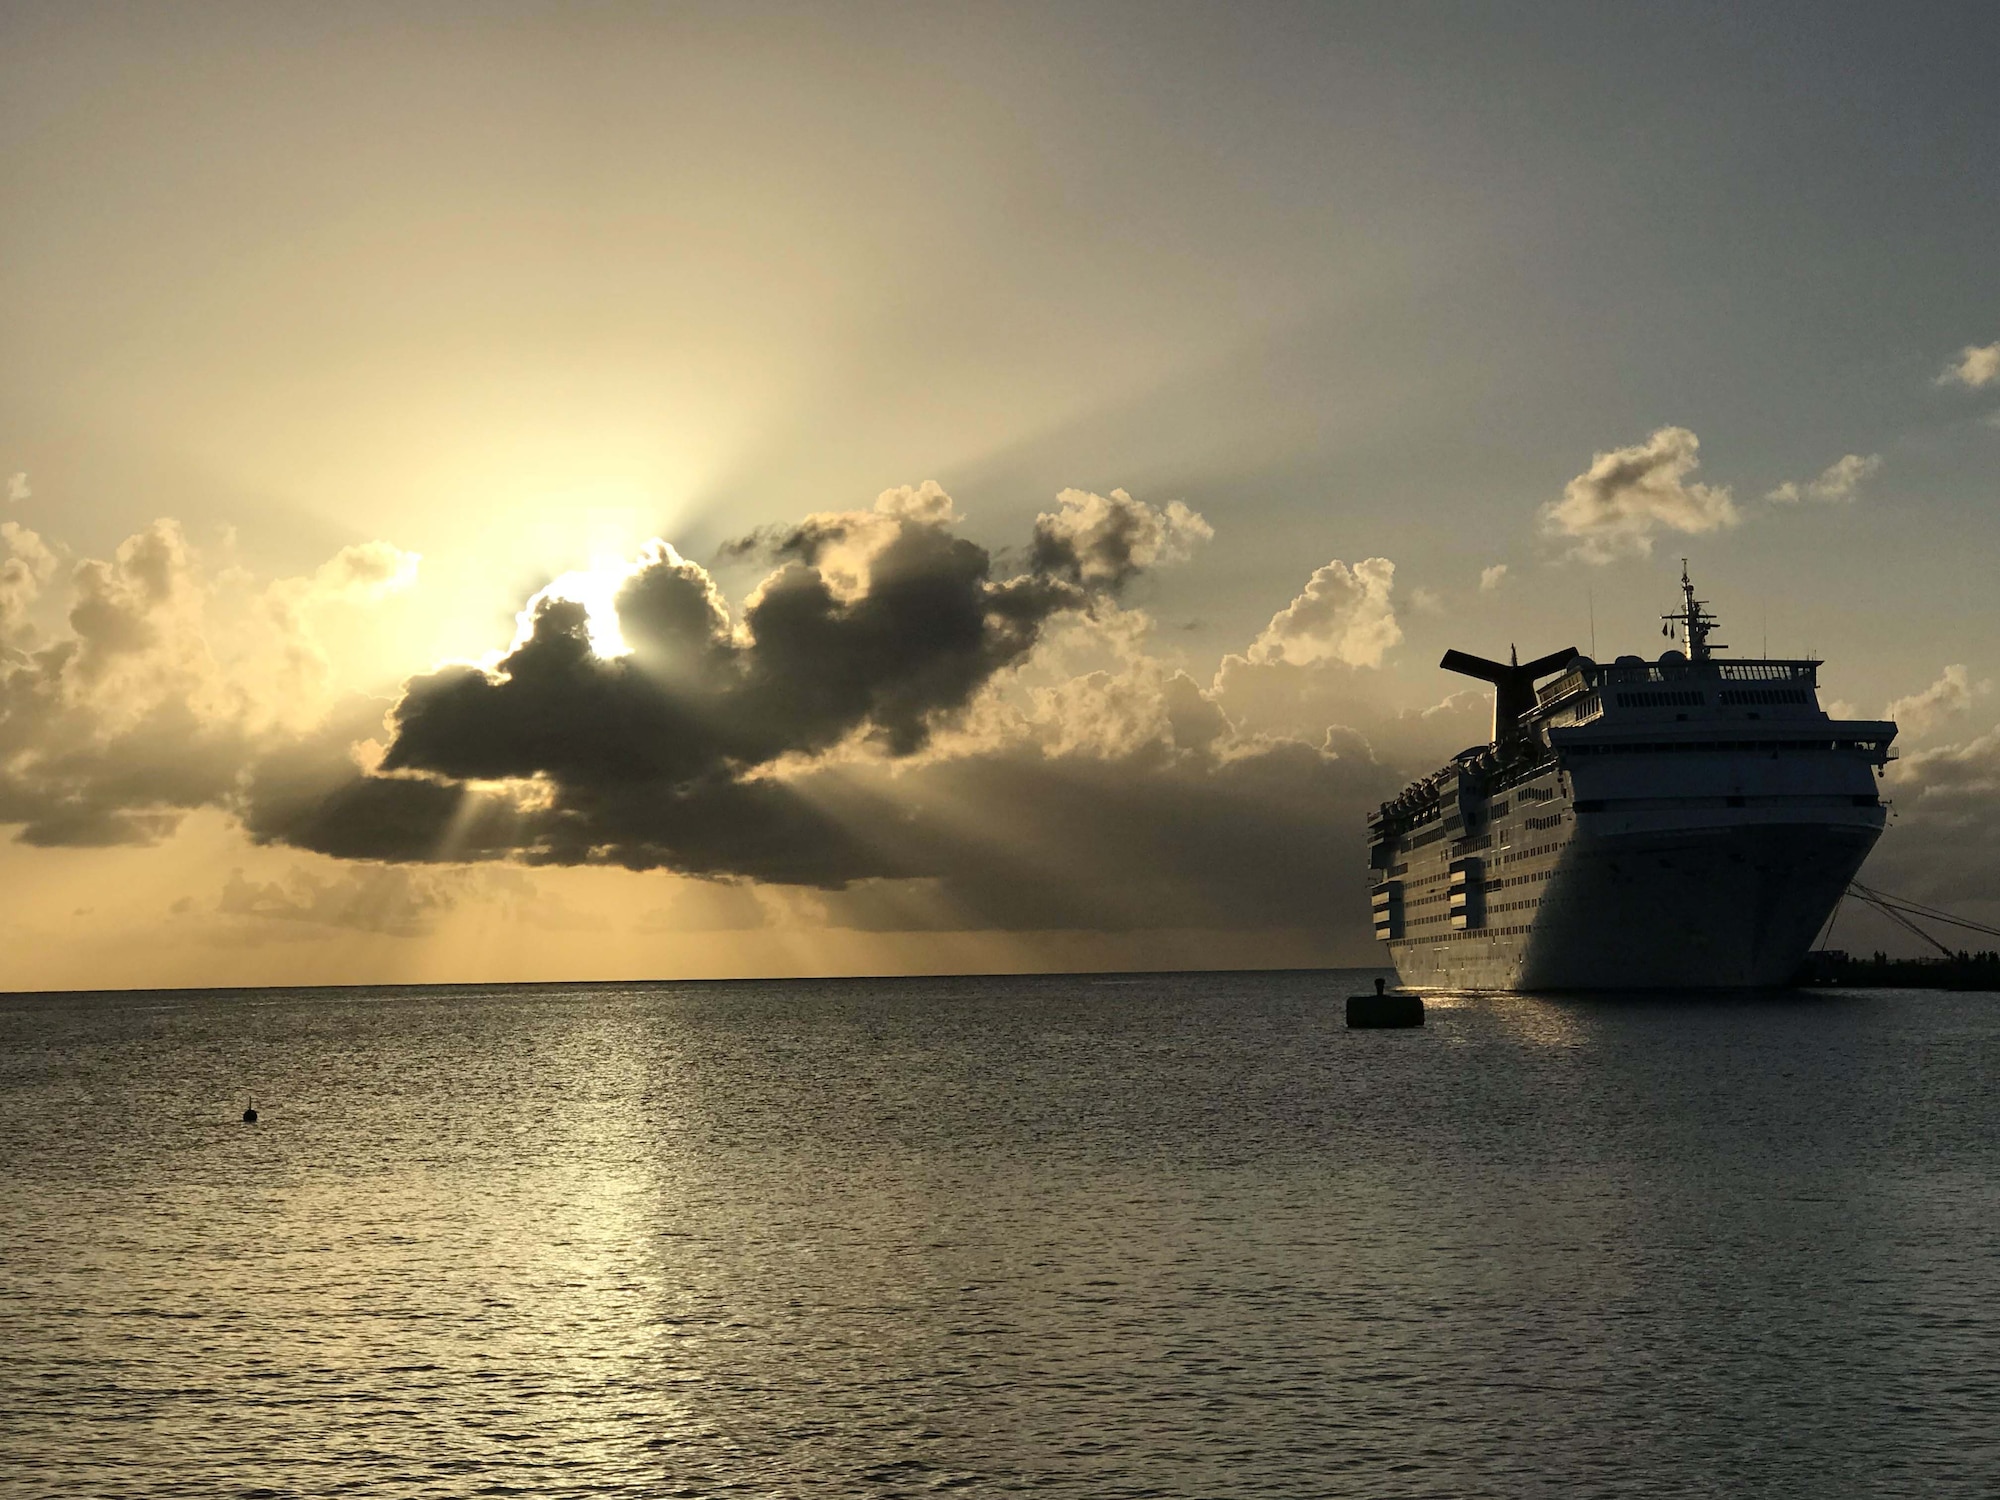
250 1114
1382 1009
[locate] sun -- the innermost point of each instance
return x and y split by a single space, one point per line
596 589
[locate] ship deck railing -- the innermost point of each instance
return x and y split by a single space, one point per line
1423 802
1605 674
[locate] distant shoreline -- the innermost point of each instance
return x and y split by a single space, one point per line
1964 971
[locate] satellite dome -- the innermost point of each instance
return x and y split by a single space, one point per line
1671 658
1631 661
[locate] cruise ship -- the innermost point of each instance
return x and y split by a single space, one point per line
1685 823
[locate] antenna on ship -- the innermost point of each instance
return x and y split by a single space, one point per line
1694 621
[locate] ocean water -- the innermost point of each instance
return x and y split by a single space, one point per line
1163 1235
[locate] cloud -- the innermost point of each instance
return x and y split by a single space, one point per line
900 628
1939 843
891 729
1838 481
1615 506
390 899
1491 578
150 704
1976 367
17 487
1343 615
363 573
1951 694
1005 782
1102 541
358 575
26 563
396 900
876 629
841 545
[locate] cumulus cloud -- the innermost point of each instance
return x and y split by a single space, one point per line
17 487
1343 615
1491 578
1951 774
358 575
912 625
1840 480
26 564
689 749
1939 843
842 545
1975 367
1614 508
1102 541
1950 695
112 731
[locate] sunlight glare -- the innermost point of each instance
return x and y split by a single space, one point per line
596 589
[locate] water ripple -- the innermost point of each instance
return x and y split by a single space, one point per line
1172 1236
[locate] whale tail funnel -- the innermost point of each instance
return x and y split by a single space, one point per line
1513 682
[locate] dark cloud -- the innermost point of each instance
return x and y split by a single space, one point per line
877 626
813 664
309 792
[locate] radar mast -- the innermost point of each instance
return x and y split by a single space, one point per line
1692 620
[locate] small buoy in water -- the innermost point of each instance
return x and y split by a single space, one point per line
250 1114
1384 1010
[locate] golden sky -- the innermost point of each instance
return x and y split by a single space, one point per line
523 491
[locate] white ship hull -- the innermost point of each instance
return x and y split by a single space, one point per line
1722 906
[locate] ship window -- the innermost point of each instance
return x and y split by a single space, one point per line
1741 697
1669 698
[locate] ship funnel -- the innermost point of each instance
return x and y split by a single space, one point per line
1513 686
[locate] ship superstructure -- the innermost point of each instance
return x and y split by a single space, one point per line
1688 822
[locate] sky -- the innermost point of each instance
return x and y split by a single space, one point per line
519 491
